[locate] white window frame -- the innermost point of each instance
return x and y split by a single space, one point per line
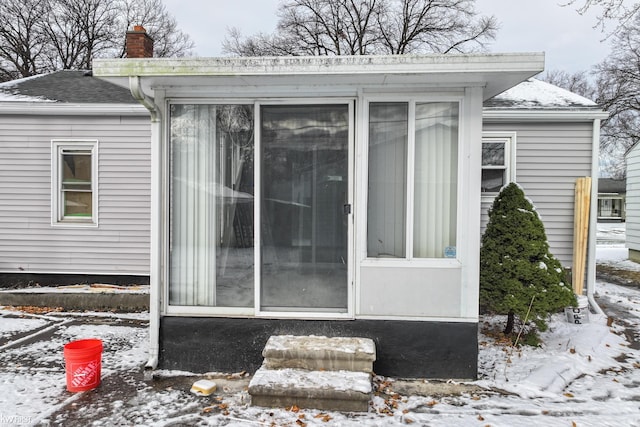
57 200
509 140
408 260
256 310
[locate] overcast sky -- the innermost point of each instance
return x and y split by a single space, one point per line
569 40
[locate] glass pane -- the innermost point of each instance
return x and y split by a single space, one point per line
493 154
76 183
77 204
616 207
211 216
304 188
76 167
436 180
387 196
492 180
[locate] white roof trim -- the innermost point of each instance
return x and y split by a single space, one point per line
312 65
65 109
550 115
496 72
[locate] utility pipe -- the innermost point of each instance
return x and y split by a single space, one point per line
156 211
593 218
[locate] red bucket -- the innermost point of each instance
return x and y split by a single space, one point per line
83 362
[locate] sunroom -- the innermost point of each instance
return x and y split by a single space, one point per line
317 196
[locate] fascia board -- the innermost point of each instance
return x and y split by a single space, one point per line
314 65
68 109
497 72
551 115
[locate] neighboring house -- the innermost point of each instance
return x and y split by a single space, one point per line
633 203
74 182
340 196
612 199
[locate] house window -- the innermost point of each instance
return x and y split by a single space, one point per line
74 173
497 163
412 173
610 207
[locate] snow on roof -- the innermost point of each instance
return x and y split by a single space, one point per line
65 86
15 97
10 91
534 93
80 86
17 82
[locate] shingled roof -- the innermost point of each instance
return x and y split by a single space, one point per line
81 87
77 87
536 94
610 185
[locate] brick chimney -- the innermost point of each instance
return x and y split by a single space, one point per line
138 43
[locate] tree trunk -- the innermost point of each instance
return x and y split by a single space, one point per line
510 321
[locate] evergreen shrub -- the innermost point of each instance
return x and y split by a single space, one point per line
516 265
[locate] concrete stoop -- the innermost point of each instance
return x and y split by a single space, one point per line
95 297
326 390
314 353
315 372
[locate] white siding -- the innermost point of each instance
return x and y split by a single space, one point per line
633 198
549 159
28 242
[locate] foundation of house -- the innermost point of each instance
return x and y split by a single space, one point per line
404 349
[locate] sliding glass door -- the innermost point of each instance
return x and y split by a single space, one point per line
304 207
298 159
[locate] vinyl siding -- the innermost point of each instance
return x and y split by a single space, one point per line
28 241
633 199
549 159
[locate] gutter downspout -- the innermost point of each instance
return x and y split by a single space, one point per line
593 218
156 211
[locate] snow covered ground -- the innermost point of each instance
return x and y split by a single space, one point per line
583 375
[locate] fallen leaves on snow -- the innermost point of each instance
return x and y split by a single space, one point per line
31 309
325 417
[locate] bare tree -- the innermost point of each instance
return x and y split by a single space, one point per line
578 82
619 89
21 38
79 30
258 45
617 11
48 35
365 27
434 26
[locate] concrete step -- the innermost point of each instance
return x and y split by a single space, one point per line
324 390
318 353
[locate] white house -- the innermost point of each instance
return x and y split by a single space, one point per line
611 199
317 195
74 182
327 196
632 158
